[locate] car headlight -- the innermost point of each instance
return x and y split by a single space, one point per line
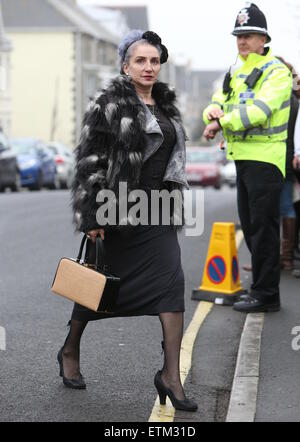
60 169
28 164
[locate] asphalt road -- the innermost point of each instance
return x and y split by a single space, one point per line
119 357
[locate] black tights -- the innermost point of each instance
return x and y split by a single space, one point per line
71 351
172 327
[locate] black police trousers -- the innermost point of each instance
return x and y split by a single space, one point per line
259 186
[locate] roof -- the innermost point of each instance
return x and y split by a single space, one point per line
111 19
136 16
32 13
5 44
51 14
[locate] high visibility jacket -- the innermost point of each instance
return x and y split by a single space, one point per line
256 120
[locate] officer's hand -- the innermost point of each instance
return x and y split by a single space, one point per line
214 114
211 131
296 162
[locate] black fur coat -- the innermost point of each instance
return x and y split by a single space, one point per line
112 146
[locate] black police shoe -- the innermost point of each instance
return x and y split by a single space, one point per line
252 305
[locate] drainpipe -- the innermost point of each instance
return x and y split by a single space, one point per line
77 87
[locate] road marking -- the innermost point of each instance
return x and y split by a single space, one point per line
243 398
166 413
239 238
2 339
242 405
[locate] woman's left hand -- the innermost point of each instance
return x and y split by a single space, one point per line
94 233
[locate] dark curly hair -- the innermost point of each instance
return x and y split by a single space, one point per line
296 78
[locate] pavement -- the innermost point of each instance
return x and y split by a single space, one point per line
279 386
253 365
266 386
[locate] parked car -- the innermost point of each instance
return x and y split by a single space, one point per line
202 167
36 163
229 174
9 171
65 163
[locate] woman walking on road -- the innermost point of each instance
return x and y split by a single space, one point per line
133 133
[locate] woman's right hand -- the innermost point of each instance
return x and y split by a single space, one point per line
94 233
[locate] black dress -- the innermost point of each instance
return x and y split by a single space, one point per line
148 258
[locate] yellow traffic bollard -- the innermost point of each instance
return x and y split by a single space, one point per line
221 278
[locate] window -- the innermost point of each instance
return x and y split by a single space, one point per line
87 49
3 74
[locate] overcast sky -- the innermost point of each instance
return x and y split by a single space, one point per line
200 31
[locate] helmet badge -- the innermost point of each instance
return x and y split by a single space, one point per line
243 17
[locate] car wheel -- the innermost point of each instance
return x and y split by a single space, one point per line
64 185
39 181
17 186
69 181
56 183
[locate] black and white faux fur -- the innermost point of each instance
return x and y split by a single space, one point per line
111 145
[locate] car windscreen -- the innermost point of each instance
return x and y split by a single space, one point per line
53 149
24 147
200 157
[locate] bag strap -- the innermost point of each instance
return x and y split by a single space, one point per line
78 259
100 252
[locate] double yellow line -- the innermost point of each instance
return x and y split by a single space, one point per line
166 413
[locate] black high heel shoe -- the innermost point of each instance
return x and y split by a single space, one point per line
77 384
163 392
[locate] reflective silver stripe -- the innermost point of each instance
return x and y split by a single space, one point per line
270 73
259 131
232 107
244 117
250 28
258 103
274 130
286 104
265 108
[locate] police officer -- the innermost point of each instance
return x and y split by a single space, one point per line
253 110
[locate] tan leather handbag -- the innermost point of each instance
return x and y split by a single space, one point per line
88 285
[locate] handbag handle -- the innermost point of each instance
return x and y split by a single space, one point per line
100 251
